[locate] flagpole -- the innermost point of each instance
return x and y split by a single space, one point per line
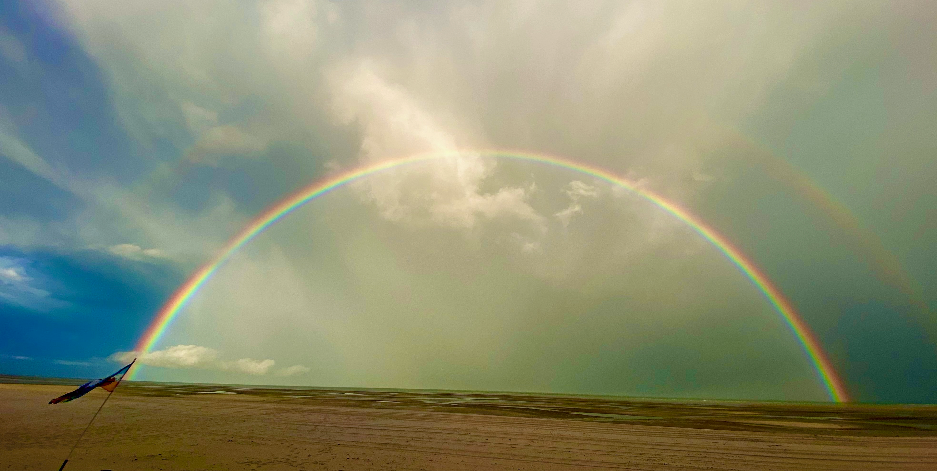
108 397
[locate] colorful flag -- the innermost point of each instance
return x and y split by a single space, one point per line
108 383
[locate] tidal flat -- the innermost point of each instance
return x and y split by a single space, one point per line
155 426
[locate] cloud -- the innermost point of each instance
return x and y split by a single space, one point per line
446 192
11 274
526 244
575 190
19 287
15 357
175 357
14 149
703 177
292 370
248 366
290 26
224 140
215 141
13 51
190 356
198 119
134 252
567 214
109 209
73 363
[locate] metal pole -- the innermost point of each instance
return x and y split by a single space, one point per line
85 430
62 467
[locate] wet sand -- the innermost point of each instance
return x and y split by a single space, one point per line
147 426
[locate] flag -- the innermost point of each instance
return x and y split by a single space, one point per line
108 383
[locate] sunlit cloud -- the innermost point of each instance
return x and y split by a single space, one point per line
447 192
190 356
175 357
577 189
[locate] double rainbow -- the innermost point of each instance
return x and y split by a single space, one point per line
170 310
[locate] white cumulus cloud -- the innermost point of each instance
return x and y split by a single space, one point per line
134 252
175 357
190 356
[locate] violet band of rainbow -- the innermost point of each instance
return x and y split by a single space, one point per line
808 341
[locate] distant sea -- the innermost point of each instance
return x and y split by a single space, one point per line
817 418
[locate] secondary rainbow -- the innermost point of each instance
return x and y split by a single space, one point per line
825 371
883 261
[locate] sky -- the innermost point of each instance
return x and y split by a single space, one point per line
137 138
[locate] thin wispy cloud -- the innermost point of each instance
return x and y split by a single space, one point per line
576 190
22 286
73 363
292 370
134 252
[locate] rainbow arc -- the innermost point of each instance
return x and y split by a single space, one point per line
808 341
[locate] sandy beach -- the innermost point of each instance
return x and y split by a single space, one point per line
202 427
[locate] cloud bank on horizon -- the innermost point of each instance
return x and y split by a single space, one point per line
198 357
137 137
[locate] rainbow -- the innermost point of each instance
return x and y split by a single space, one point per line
884 262
171 309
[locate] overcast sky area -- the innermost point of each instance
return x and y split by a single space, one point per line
136 138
